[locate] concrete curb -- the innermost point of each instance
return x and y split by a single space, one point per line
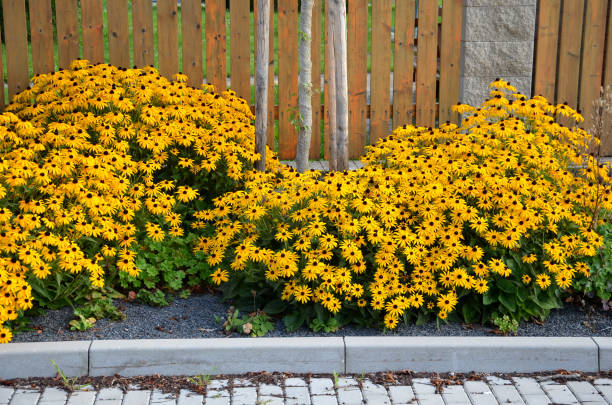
22 360
306 355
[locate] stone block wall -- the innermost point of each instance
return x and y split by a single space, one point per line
497 41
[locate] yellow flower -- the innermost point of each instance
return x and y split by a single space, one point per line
543 280
219 276
5 335
155 232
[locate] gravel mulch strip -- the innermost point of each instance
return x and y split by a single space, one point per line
202 315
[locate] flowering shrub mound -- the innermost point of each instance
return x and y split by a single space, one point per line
96 160
486 217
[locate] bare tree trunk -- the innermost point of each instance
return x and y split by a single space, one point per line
305 86
331 85
340 53
261 81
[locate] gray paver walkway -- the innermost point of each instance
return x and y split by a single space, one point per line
349 390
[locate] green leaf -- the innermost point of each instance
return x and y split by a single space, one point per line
506 285
275 307
294 320
508 302
488 299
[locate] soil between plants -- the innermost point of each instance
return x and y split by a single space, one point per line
202 316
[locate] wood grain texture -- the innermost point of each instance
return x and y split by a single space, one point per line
167 37
142 33
380 79
287 77
92 29
450 60
592 56
41 33
16 45
272 116
608 63
404 62
240 48
67 24
569 53
547 42
191 27
315 140
427 64
216 70
118 33
2 95
262 24
326 79
357 75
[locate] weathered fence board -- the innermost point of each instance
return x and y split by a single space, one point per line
569 52
287 77
16 45
216 70
67 21
357 75
404 62
167 37
142 33
191 27
427 63
41 32
240 50
546 54
118 33
315 139
380 78
450 60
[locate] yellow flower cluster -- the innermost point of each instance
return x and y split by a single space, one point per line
81 157
433 215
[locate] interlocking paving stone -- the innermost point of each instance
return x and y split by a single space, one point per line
295 382
53 396
25 397
5 395
349 395
187 397
243 396
454 395
244 382
425 392
109 394
82 398
479 393
217 384
401 394
137 397
375 394
559 394
530 391
161 398
297 395
324 400
217 397
605 390
321 386
268 400
270 390
585 392
347 382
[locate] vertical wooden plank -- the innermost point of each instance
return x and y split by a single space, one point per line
240 48
404 62
545 73
191 27
287 77
380 78
216 69
41 33
167 37
16 45
326 78
315 140
1 81
142 33
592 57
569 52
93 30
450 60
608 73
67 23
118 33
271 86
357 74
427 64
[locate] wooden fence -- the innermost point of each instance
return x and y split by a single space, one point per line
574 55
420 94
